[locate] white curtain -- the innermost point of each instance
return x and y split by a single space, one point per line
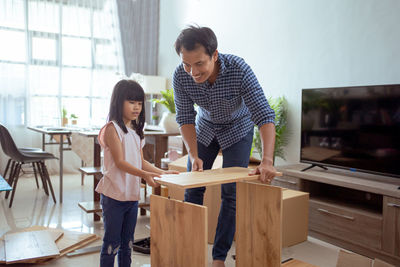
54 55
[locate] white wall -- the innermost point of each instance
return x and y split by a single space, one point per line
292 45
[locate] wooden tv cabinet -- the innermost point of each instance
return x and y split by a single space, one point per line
353 210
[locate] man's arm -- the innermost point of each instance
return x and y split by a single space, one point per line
266 168
188 133
263 116
185 117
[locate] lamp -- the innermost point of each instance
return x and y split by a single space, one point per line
152 85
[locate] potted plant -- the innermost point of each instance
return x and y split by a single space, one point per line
168 119
279 105
64 117
74 119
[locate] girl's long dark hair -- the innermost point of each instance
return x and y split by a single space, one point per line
131 91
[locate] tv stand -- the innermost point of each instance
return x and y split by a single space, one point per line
355 211
314 165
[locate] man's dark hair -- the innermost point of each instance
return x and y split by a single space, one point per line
193 36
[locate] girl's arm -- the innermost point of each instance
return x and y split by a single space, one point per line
111 139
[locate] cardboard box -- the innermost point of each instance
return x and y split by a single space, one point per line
349 259
294 217
294 212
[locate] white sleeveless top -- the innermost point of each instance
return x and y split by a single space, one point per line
115 183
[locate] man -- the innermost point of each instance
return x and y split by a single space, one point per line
230 101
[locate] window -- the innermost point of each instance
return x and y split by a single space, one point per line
54 55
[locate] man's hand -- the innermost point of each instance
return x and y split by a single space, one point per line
149 178
197 165
267 172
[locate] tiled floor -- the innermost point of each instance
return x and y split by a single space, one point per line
32 207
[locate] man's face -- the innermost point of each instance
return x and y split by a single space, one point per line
198 64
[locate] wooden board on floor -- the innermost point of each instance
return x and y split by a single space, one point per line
178 232
55 233
72 239
258 225
90 206
297 263
2 252
80 245
209 177
26 246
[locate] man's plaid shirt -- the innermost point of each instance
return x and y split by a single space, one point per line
228 109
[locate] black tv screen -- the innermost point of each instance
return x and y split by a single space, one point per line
356 128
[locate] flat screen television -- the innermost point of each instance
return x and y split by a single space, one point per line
355 128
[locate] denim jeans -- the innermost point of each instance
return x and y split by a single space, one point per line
119 219
236 155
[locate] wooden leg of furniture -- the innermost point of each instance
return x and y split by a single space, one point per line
161 147
258 225
96 177
178 232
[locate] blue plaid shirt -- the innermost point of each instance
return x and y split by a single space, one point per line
228 109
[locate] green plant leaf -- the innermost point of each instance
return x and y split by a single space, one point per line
280 106
167 100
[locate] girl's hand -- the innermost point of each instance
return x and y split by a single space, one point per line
149 177
170 172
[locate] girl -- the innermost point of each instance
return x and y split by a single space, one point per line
122 139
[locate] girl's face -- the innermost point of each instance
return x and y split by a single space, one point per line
131 110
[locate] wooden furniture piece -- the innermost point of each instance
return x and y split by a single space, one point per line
178 233
296 263
29 246
356 211
258 220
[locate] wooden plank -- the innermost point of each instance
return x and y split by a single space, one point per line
90 206
209 177
84 251
178 232
297 263
2 252
91 170
55 233
72 239
29 245
258 225
79 245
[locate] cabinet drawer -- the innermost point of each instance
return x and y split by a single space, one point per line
287 182
349 224
391 225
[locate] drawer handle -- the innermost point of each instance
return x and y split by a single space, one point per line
285 181
336 214
393 205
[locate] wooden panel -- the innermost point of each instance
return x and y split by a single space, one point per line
72 239
205 178
178 233
345 223
287 182
90 206
29 245
258 225
2 252
391 225
297 263
91 170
